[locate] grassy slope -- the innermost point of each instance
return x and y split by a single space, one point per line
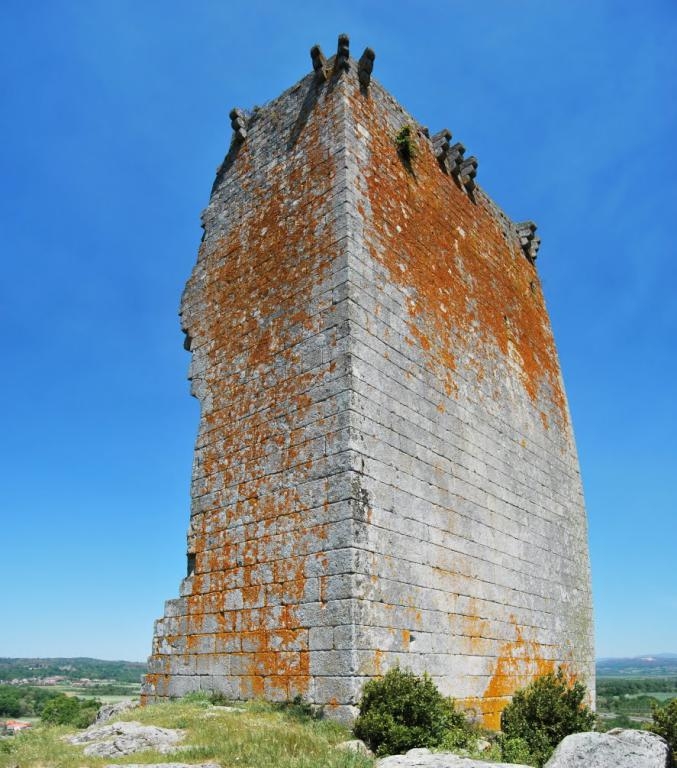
259 737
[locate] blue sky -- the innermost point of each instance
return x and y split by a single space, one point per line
113 118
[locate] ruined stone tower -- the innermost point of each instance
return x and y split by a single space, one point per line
385 471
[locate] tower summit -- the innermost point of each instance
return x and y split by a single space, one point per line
385 471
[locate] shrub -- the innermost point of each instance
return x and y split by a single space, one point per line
298 709
456 739
70 710
665 725
401 711
200 698
516 751
544 712
5 747
219 699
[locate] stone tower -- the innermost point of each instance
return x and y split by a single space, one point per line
385 471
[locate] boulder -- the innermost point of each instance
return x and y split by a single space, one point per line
355 745
164 765
118 739
619 748
424 758
109 711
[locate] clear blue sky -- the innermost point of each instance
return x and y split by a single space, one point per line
114 116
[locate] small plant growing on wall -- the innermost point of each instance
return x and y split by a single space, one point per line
406 144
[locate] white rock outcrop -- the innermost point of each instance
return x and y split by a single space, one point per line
355 745
619 748
424 758
164 765
109 711
119 739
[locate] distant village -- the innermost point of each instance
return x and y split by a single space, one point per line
12 727
81 682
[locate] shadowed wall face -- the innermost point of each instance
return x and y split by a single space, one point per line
385 470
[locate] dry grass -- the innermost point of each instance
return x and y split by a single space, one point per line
259 737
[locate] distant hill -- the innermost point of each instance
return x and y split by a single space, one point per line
656 665
72 669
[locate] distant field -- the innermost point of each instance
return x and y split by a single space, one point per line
660 695
663 665
627 702
130 692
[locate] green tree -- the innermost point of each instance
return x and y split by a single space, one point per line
401 711
665 725
545 711
70 710
10 703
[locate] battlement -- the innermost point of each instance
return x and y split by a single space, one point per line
385 471
451 158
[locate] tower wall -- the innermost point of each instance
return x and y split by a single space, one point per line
474 543
385 471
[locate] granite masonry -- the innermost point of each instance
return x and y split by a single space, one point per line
385 470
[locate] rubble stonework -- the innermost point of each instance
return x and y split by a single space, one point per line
385 471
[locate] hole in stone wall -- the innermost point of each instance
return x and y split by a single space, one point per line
190 565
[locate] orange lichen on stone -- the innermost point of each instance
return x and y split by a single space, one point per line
376 375
469 284
519 662
249 308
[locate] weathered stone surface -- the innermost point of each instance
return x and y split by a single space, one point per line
165 765
109 711
355 745
619 748
126 738
424 758
385 471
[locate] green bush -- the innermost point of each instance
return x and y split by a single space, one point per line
201 698
544 712
456 739
401 711
5 747
665 725
298 709
516 750
70 710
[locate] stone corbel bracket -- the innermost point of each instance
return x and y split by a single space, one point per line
526 231
343 53
441 148
365 67
455 158
238 122
319 63
467 172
